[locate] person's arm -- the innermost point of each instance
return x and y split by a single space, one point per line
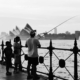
38 44
26 44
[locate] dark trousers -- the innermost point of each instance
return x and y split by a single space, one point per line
34 63
16 66
33 72
29 65
8 64
20 65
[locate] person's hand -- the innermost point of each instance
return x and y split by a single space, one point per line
26 45
39 46
21 46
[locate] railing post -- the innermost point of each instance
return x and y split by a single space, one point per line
75 51
10 42
50 53
2 50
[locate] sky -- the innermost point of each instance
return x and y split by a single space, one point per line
42 15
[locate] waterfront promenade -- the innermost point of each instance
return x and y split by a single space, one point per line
17 76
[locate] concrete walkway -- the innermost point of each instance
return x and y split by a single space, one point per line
17 76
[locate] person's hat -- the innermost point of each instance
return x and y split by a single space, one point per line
32 32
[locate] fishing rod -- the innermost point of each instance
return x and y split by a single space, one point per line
58 25
61 23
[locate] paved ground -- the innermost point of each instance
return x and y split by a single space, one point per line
18 76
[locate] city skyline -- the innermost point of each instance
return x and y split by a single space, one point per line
17 31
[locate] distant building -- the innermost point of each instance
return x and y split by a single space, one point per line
77 34
55 30
67 32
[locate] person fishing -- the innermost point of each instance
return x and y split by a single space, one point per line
8 55
17 54
32 43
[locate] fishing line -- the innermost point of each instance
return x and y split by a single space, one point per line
58 25
61 23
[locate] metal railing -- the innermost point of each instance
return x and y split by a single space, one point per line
51 76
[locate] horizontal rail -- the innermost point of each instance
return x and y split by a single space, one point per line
63 49
53 48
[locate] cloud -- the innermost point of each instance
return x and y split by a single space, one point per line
45 13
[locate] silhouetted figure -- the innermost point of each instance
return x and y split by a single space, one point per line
32 43
8 55
17 54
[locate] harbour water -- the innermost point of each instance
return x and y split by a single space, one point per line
62 72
